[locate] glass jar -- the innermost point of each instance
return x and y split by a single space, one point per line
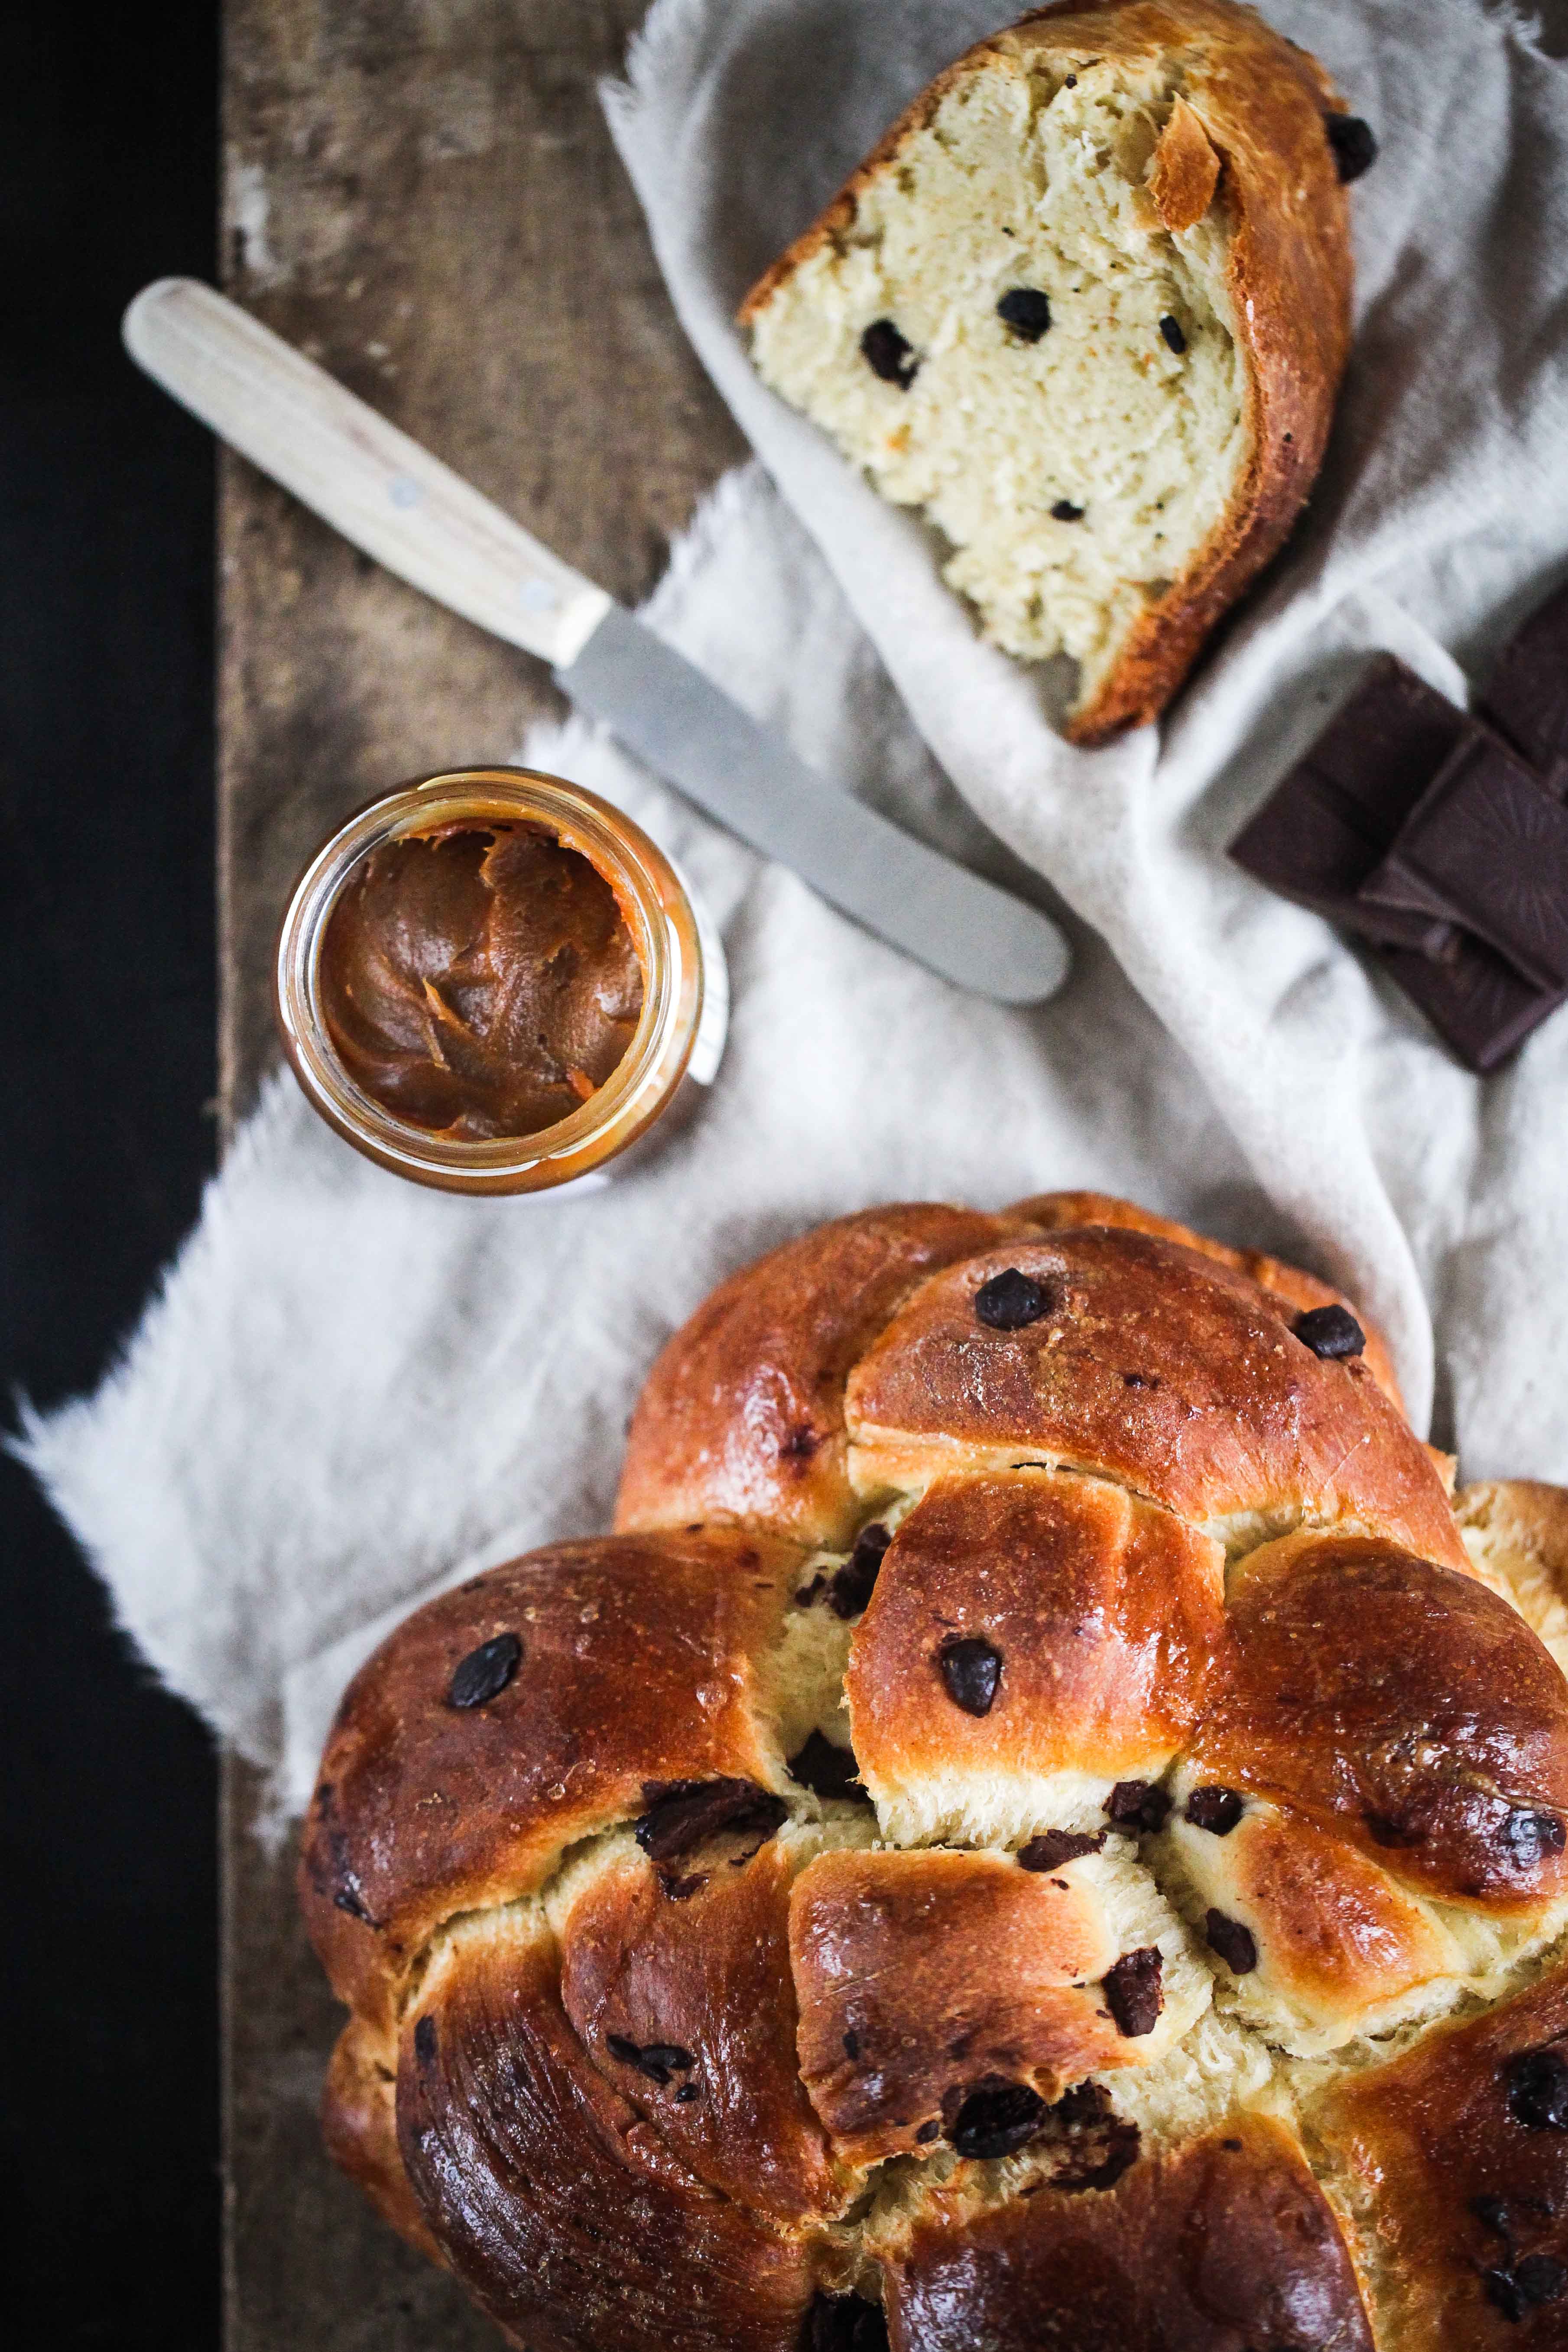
679 1035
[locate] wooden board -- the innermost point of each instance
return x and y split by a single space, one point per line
422 194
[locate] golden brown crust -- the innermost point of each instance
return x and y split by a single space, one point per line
743 1416
1335 1938
1156 1366
565 2213
922 1976
359 2127
1258 102
1185 171
636 1666
1523 1519
1229 2244
640 2078
1404 1708
1261 102
1299 1289
1103 1613
1463 2179
704 1970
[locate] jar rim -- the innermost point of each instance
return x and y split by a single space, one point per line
654 903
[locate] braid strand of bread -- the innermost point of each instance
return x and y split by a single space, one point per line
1043 1825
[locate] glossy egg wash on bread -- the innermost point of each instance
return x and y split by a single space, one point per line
1087 307
1043 1825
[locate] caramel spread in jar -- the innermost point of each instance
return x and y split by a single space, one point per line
479 980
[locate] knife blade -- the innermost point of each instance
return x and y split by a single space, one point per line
389 496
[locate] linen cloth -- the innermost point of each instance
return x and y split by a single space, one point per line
350 1392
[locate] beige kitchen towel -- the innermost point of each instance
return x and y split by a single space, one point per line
350 1391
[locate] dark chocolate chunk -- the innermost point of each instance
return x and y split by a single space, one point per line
970 1670
889 355
1394 1829
425 2041
485 1673
828 1769
1481 1008
1138 1805
1132 1992
1529 1834
334 1873
928 2132
1540 2279
1305 845
1085 2103
681 1890
1064 510
852 2045
1356 149
1215 1810
1011 1300
1171 330
349 1898
1236 1945
687 2093
1494 2212
994 2118
850 1591
1485 846
657 2060
1526 695
1334 815
1534 2279
1331 826
1501 2291
845 2323
1052 1847
1088 2143
1026 310
1538 2089
1115 2150
1331 1332
681 1813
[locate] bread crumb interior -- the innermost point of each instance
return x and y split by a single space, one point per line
1027 180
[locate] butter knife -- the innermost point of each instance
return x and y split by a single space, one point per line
390 497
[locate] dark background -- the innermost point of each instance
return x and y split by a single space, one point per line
109 2129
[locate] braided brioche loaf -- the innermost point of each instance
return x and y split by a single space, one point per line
1042 1827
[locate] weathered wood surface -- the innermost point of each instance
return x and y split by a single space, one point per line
422 194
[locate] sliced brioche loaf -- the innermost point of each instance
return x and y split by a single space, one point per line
1087 305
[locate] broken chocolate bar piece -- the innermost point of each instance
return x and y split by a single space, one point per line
1304 845
1526 695
1419 828
1487 848
1478 1004
1336 814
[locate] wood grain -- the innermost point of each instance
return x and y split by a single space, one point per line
423 196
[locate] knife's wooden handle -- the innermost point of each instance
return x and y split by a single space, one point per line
381 489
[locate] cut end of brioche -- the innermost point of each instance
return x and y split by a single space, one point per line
1044 314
